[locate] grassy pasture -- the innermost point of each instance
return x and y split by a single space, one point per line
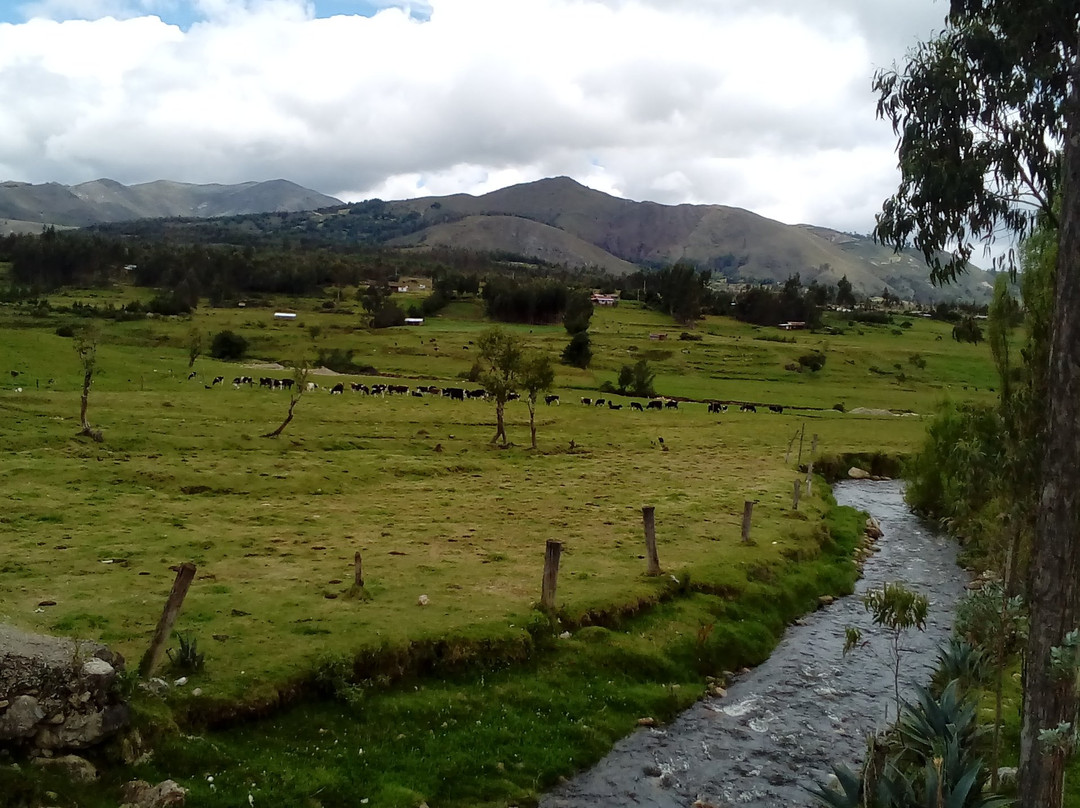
413 485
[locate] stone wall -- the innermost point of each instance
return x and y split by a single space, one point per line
57 693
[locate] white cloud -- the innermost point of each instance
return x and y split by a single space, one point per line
764 104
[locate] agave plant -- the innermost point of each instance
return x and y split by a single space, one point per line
848 795
962 661
953 780
928 724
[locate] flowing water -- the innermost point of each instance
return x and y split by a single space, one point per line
781 726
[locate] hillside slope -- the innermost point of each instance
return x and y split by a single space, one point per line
105 200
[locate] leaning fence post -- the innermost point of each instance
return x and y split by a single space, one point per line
358 572
801 433
184 577
551 574
795 495
648 516
747 516
787 454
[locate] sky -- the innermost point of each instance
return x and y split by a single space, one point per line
761 104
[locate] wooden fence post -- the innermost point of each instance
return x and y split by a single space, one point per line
747 516
801 433
787 454
358 572
551 574
810 467
648 516
795 495
180 586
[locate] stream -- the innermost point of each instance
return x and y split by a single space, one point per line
782 726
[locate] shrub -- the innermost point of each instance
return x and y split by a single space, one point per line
228 345
687 336
578 352
839 407
65 331
187 658
388 316
814 361
897 332
917 360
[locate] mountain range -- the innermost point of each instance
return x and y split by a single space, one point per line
557 220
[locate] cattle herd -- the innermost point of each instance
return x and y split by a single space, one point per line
462 393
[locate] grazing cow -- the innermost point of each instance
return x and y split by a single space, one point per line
611 405
357 387
287 384
191 375
748 408
513 396
717 407
337 389
775 408
266 381
218 380
600 402
417 393
549 400
454 393
635 405
655 404
312 386
479 392
671 404
587 402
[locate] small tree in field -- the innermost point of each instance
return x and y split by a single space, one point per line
86 342
195 345
898 610
537 375
300 384
500 356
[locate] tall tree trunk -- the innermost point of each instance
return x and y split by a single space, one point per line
532 422
285 423
500 426
88 377
1050 698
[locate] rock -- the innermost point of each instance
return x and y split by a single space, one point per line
565 635
719 692
57 691
646 722
181 681
652 770
423 600
1006 775
20 720
77 769
857 473
140 794
825 600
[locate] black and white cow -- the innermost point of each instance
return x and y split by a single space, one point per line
549 400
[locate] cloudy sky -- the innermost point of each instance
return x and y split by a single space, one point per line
762 104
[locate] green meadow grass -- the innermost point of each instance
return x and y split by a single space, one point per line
415 487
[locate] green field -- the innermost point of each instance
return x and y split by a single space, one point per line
415 487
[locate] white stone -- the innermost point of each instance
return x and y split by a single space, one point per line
97 667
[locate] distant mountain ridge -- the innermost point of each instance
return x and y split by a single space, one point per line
738 244
104 200
556 220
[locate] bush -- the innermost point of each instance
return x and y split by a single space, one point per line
578 352
228 345
917 361
65 331
839 407
896 332
687 336
388 316
814 361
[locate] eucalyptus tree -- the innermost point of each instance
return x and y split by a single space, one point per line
987 115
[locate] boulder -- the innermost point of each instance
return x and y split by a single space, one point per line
78 770
857 473
140 794
57 693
